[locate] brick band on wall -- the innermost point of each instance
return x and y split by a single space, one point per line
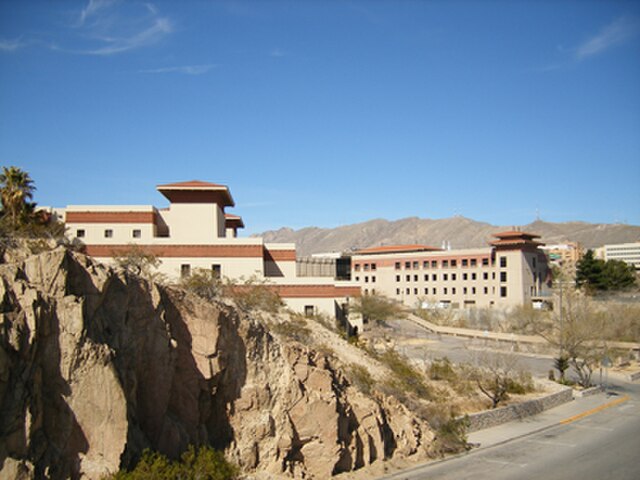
172 251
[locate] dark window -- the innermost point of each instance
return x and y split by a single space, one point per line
416 265
474 262
407 265
397 278
408 291
357 267
464 290
136 233
485 262
454 263
434 291
473 290
425 264
426 277
216 271
445 263
503 291
445 290
415 291
373 279
397 265
453 276
108 233
373 266
473 276
415 278
408 278
434 277
486 290
185 270
445 276
485 276
434 263
503 262
465 262
80 233
464 276
503 276
366 267
309 310
366 279
453 291
397 291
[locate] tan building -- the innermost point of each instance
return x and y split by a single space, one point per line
565 256
626 252
511 271
195 232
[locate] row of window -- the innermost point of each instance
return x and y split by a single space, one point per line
108 233
185 270
453 263
366 267
366 279
454 277
453 291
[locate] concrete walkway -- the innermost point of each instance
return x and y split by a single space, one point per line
566 413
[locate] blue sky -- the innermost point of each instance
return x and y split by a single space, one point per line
329 113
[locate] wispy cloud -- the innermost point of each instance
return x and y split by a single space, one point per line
12 45
615 33
184 69
108 27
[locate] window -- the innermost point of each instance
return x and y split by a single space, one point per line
454 263
80 233
397 291
108 233
503 262
434 264
503 290
445 263
453 276
464 276
473 276
136 233
415 291
357 279
415 278
408 278
473 290
373 266
434 277
407 265
357 267
503 276
309 310
485 262
435 291
453 291
397 278
426 291
185 270
416 265
366 267
408 291
474 262
445 277
493 275
465 262
397 265
464 290
445 290
425 264
216 271
485 276
426 277
366 279
486 290
373 279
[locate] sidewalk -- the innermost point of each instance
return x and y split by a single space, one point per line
566 413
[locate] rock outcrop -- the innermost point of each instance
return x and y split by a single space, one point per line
96 366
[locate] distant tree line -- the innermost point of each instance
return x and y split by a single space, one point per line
595 275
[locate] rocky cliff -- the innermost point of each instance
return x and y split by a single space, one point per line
96 365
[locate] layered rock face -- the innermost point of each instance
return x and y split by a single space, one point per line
96 366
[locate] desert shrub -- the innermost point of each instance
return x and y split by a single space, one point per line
204 463
441 369
451 436
360 377
136 260
406 378
203 283
254 294
295 328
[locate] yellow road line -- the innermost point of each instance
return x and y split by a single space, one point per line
595 410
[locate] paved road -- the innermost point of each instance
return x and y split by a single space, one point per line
604 444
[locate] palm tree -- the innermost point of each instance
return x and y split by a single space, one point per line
16 188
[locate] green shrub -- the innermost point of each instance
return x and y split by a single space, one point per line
295 328
254 295
204 463
360 377
203 283
405 377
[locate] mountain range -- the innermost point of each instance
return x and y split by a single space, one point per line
456 232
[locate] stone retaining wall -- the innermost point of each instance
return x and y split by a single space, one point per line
498 416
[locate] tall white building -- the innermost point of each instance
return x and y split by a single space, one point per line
626 252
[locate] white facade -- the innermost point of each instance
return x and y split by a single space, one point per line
626 252
194 232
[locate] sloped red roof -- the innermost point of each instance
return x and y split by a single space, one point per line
233 220
396 249
197 191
